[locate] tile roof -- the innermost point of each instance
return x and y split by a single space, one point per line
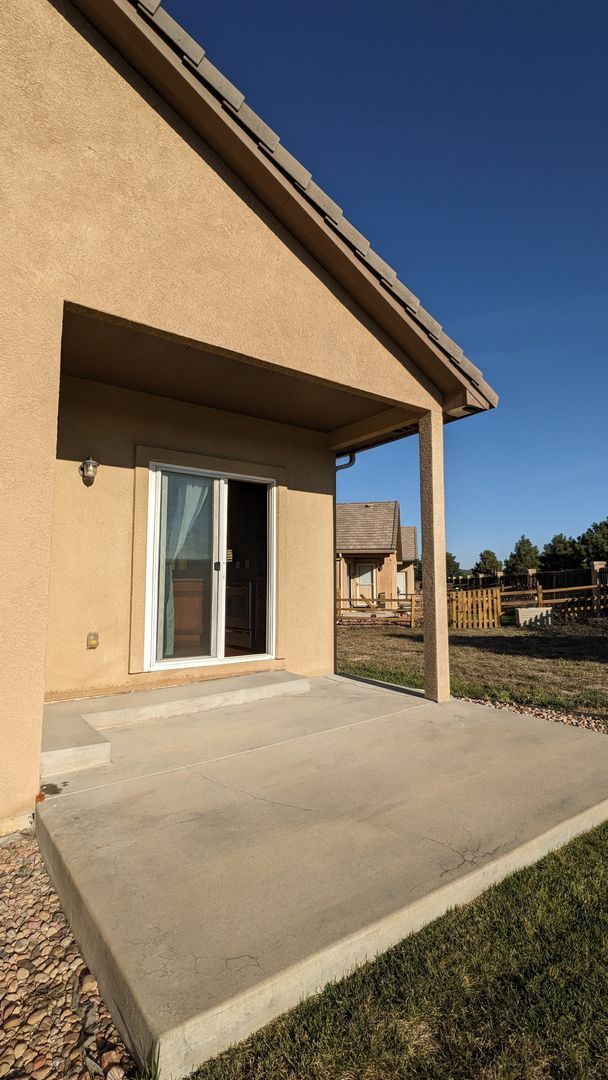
409 543
193 56
363 528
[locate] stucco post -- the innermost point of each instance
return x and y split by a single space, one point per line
436 649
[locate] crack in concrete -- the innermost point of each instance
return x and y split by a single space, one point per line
252 795
180 821
189 766
468 856
228 960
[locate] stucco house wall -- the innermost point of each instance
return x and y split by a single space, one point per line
386 576
97 533
109 201
406 575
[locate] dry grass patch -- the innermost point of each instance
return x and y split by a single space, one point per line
563 667
513 985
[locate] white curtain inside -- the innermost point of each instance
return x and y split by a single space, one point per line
183 497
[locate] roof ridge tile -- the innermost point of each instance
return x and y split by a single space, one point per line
382 268
255 125
324 203
348 232
172 30
227 91
290 165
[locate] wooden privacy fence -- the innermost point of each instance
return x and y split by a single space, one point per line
474 609
480 609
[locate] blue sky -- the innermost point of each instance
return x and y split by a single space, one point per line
468 142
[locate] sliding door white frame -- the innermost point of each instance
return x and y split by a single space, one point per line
220 488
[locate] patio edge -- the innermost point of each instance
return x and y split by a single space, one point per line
181 1049
127 1012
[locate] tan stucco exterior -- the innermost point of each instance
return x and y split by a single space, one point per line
432 505
408 578
99 532
109 201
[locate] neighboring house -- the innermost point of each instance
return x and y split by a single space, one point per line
184 306
406 580
375 554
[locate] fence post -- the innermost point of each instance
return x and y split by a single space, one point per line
595 585
539 594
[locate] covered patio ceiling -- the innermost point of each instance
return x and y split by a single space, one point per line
109 350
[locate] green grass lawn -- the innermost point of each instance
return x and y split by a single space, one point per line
513 985
561 667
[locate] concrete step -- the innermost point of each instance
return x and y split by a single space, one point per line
164 704
72 737
70 744
72 730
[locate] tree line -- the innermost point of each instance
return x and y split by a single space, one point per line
560 553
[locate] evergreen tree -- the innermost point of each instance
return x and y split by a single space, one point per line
488 563
562 553
452 565
594 542
525 556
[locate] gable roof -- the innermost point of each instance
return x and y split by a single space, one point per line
371 527
177 66
409 543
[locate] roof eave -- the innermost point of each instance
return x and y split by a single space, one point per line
364 550
463 388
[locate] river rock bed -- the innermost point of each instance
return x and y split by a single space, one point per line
53 1021
555 716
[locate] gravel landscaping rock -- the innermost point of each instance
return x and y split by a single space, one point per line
556 716
53 1021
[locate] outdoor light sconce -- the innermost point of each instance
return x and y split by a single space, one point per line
88 470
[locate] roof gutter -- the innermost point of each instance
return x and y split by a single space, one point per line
352 457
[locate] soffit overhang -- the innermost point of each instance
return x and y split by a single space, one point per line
104 349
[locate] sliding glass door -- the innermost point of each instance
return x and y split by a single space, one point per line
186 555
210 580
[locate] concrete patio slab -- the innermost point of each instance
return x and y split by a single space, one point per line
222 869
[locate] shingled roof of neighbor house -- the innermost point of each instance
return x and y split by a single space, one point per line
371 527
409 543
132 26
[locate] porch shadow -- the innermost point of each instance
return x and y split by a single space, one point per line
554 643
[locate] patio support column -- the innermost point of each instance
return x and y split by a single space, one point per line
436 649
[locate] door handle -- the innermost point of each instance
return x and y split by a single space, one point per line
217 566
